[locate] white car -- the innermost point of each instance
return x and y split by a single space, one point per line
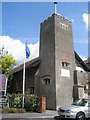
79 110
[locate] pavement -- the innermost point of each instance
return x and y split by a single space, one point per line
31 115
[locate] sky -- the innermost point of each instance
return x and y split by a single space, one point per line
21 21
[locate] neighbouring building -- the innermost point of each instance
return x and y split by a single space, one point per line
58 73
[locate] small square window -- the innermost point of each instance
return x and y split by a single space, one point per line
46 81
65 65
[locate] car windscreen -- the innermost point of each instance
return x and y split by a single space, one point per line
81 102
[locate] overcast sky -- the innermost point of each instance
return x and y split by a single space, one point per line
21 21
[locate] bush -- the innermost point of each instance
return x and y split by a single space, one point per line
21 110
18 101
15 100
30 102
12 110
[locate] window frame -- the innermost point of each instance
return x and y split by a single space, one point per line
46 81
65 65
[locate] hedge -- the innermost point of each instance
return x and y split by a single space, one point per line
15 101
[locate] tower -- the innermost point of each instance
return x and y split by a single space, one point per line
55 74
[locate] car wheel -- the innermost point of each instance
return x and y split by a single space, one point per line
80 116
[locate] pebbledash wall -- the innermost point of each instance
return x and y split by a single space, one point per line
56 76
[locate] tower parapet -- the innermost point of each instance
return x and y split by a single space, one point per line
59 16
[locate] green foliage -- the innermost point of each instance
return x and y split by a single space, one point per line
11 99
30 102
7 64
21 110
15 100
12 110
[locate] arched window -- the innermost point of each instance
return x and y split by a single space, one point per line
46 80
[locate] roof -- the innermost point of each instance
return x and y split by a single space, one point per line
28 64
81 62
87 61
36 61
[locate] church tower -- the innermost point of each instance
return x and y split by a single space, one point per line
57 66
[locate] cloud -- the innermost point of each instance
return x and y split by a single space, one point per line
85 19
82 57
16 48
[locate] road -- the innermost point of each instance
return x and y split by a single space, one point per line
55 118
33 118
27 119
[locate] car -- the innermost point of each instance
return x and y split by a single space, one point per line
79 110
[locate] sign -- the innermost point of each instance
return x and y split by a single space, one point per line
3 83
65 73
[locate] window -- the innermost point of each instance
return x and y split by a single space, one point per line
46 81
65 65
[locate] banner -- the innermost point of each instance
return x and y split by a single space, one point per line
3 84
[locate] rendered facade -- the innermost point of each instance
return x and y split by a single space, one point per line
58 73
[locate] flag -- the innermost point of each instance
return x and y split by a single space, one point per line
27 51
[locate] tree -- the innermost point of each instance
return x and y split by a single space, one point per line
7 64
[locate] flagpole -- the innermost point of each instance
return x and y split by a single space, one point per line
24 76
55 8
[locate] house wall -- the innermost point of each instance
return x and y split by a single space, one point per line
29 81
47 65
56 46
55 77
64 53
80 80
17 82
